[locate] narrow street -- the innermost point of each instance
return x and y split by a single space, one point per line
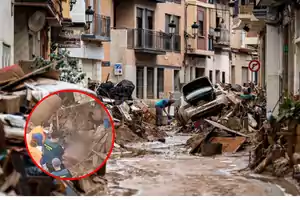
169 170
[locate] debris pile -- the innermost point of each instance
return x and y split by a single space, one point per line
277 143
230 128
21 87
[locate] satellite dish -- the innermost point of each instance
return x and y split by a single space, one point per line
37 21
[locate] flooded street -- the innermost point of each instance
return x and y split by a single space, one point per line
170 170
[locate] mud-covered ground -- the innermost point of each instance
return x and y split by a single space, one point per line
167 169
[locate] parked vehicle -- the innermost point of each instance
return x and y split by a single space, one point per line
199 99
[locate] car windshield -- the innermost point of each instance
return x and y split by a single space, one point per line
199 92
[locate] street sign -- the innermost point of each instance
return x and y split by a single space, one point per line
118 70
254 66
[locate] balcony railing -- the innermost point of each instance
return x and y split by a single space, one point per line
172 42
147 41
223 38
102 26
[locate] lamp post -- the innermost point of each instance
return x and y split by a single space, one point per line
89 16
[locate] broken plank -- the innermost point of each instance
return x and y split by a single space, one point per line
220 126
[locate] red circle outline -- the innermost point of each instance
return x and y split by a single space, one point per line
111 122
252 61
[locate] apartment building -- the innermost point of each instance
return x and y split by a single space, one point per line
208 48
277 44
146 43
93 37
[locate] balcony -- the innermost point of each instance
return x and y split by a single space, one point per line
222 38
99 31
53 8
149 41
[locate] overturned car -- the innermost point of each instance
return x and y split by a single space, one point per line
199 100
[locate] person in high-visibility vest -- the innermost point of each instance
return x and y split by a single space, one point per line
58 171
36 130
52 149
35 147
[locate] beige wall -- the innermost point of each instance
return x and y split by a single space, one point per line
171 58
240 60
107 10
236 39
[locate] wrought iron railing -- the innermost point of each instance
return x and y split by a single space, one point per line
102 26
153 40
146 39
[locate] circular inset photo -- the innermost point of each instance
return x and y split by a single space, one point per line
69 134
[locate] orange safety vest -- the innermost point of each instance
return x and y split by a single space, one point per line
35 152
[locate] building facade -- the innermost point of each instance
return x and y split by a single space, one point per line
93 37
277 26
208 52
151 57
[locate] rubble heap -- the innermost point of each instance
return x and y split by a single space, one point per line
232 127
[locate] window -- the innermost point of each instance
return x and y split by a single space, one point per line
6 55
211 1
245 75
150 83
172 43
139 18
167 30
210 44
201 22
200 72
160 81
223 77
232 74
144 25
211 75
217 76
149 19
140 82
176 80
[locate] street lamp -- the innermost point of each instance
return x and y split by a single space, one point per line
72 3
195 28
172 27
89 15
217 32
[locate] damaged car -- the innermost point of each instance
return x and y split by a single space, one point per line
199 100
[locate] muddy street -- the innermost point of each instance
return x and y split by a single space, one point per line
168 169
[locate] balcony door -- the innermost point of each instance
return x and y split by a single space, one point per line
144 25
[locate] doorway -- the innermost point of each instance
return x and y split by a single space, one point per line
150 83
200 72
232 74
218 76
140 82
